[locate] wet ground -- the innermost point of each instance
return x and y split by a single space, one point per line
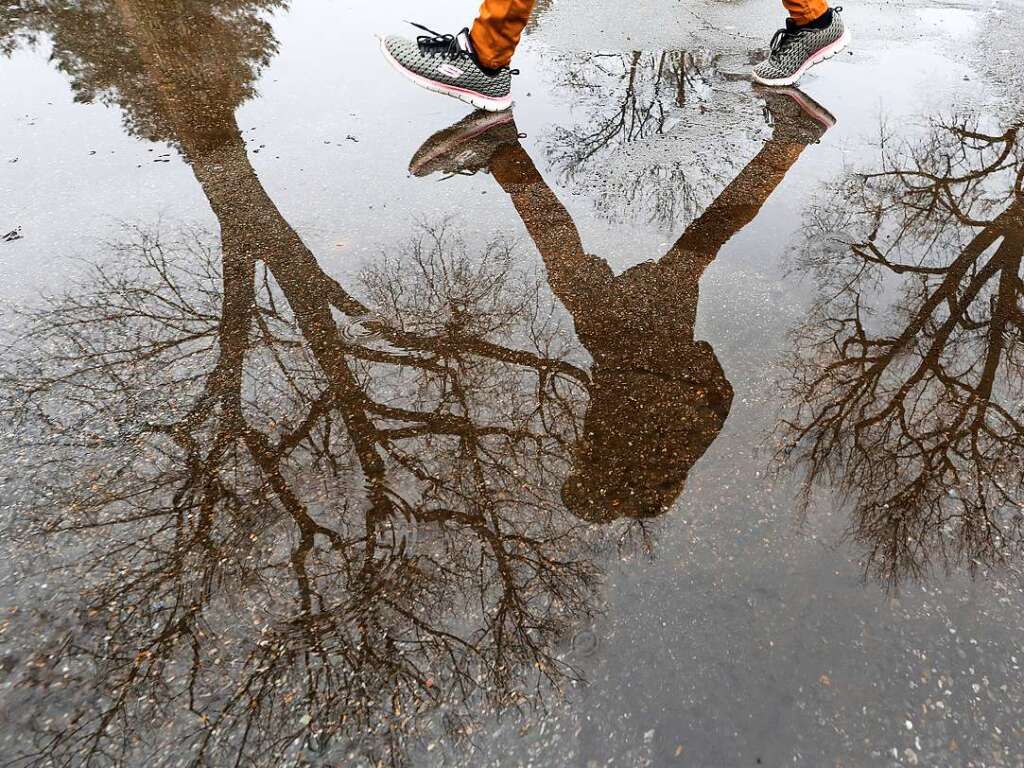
662 422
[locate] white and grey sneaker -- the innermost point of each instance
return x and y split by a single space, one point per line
447 64
466 147
795 49
794 116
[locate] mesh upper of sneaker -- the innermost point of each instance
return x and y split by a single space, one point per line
461 72
467 146
785 62
790 123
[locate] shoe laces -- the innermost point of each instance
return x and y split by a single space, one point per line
450 46
436 44
783 39
789 34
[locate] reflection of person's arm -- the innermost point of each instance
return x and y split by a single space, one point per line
574 276
734 208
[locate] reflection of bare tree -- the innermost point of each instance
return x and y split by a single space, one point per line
540 9
221 45
12 32
288 536
362 562
649 85
624 102
911 408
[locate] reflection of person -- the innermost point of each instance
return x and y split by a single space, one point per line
473 65
658 397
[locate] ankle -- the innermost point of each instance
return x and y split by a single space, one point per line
490 71
819 23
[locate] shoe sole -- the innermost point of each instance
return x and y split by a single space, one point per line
420 166
810 107
822 54
478 100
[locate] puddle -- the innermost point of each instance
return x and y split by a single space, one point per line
664 421
957 23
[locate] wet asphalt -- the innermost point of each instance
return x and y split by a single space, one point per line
661 421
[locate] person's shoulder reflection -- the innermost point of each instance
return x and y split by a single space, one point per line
658 396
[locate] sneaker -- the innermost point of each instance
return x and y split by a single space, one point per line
796 49
467 146
794 116
447 64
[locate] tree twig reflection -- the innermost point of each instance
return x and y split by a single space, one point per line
908 375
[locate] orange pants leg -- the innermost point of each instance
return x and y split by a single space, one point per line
805 11
496 31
